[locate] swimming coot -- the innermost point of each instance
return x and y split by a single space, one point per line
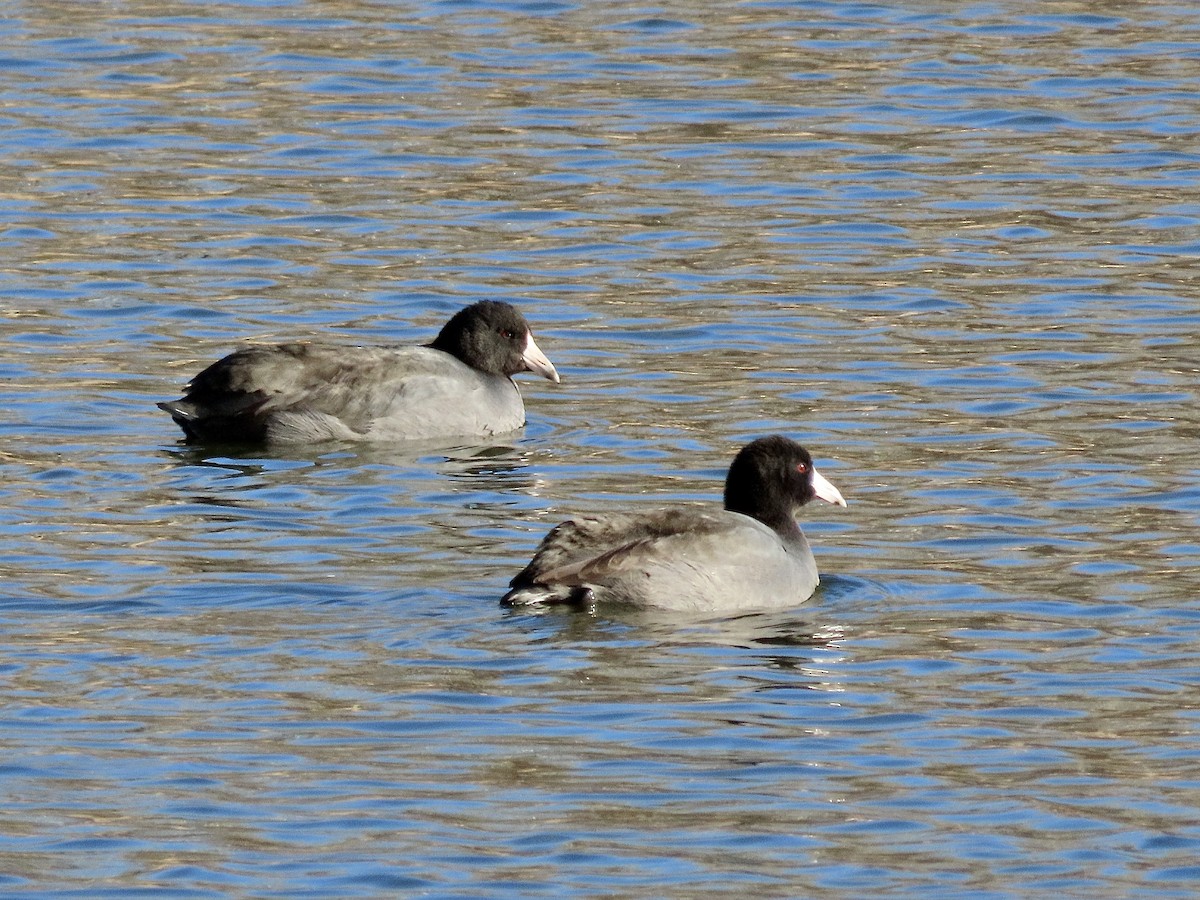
749 555
458 385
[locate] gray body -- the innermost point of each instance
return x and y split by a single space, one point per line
680 559
302 393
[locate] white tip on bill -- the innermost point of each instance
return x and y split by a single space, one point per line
825 490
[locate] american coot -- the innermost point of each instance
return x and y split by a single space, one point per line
750 555
456 386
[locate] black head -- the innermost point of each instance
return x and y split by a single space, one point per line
494 337
773 476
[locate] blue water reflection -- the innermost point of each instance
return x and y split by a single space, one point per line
948 249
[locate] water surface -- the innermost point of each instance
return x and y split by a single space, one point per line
951 249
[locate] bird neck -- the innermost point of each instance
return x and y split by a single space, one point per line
781 521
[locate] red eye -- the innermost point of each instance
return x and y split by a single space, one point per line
506 334
801 468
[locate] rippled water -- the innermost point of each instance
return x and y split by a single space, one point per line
951 248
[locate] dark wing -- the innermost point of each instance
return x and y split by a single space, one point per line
585 546
356 385
242 382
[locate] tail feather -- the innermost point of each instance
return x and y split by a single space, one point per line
204 423
549 595
180 410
